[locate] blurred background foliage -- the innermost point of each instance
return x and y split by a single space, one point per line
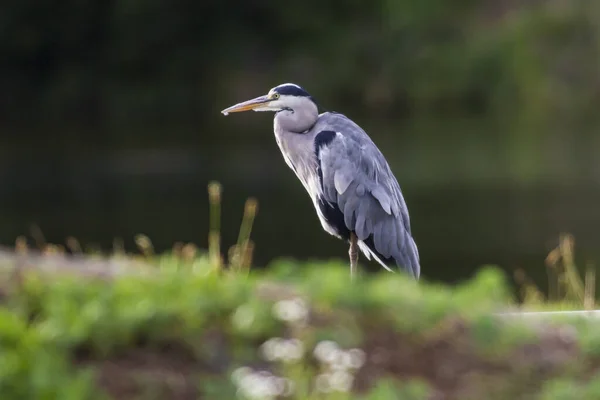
487 111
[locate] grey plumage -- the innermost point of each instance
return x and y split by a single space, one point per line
347 177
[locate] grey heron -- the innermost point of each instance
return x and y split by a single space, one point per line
355 193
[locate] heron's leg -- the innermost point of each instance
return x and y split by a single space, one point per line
353 253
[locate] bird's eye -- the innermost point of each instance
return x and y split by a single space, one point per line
275 95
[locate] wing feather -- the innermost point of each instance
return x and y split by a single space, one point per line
341 180
349 217
383 198
361 225
378 235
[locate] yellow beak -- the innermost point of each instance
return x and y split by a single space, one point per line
247 105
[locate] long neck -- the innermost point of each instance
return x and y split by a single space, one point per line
298 150
298 120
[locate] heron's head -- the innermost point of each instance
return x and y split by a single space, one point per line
285 97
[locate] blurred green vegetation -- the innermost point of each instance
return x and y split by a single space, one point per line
191 329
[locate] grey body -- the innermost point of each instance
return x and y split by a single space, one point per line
348 179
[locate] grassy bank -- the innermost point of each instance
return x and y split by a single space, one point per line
185 330
194 324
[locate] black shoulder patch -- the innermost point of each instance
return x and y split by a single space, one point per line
322 138
291 90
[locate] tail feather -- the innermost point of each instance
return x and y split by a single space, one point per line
409 261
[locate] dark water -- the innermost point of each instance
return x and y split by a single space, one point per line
163 195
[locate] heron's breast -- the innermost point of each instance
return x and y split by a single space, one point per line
298 152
